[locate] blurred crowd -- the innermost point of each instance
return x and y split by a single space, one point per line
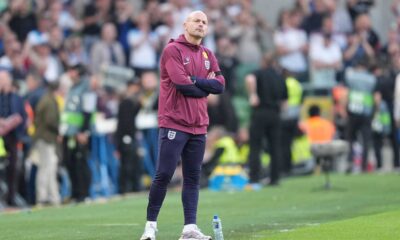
79 87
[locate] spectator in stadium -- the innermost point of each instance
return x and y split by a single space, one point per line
123 22
325 60
107 51
359 7
167 30
47 119
43 61
13 60
364 42
11 105
144 44
95 14
63 18
247 33
189 72
75 129
131 165
361 102
290 115
228 61
146 120
341 19
36 89
21 19
56 40
313 22
41 32
291 44
383 124
267 91
75 52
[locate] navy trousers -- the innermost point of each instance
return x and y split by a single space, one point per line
174 146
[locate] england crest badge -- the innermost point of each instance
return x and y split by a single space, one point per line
207 64
171 135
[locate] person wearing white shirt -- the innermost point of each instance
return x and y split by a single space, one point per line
325 59
144 44
291 44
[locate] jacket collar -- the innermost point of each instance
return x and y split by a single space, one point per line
182 40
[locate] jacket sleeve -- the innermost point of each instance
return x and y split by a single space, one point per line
216 85
178 75
397 99
209 85
52 116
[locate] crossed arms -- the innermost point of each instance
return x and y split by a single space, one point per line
193 86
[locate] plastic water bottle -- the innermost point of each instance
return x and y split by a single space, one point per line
217 227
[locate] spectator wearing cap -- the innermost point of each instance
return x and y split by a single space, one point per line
41 33
46 64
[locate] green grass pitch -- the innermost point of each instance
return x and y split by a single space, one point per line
358 207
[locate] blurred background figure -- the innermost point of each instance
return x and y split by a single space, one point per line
291 44
107 51
267 91
144 45
46 143
146 120
361 103
13 118
131 168
75 129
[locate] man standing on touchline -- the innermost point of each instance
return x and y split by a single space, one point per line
188 72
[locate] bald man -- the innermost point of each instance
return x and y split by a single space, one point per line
189 73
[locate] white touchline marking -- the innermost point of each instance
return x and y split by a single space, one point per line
115 224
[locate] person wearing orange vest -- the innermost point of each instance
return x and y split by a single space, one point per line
321 133
317 128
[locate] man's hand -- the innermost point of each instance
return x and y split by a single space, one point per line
254 100
211 75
